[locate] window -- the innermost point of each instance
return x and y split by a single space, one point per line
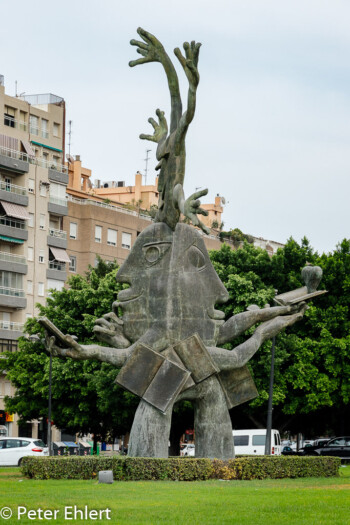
30 254
31 219
73 228
241 441
6 321
73 263
55 161
9 117
98 233
57 190
56 129
41 289
259 441
11 280
44 128
41 256
42 221
112 237
33 125
31 185
54 284
126 240
43 190
30 287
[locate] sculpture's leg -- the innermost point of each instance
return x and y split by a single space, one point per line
212 422
149 436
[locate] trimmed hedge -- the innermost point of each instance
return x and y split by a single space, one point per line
179 469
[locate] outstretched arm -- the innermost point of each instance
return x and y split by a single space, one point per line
239 323
153 51
239 356
190 207
190 66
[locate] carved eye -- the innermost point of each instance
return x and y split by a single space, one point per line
154 252
196 258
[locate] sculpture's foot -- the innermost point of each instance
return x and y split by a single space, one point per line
149 436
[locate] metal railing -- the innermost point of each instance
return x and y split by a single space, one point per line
55 265
8 325
39 161
14 292
59 234
12 258
12 188
13 223
109 206
42 99
56 200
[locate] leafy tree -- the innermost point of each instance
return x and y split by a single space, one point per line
85 397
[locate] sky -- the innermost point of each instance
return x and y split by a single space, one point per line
271 132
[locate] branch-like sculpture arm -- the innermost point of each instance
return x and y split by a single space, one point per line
239 323
190 207
190 67
239 356
153 51
160 131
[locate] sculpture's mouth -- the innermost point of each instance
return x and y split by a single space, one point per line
217 315
128 295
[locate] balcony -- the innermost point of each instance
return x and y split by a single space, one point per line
9 330
12 193
13 263
56 270
58 206
57 173
57 238
15 228
14 160
12 297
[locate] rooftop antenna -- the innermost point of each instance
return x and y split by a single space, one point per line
146 160
15 88
69 135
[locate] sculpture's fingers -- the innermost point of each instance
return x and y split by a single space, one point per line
203 227
162 119
180 57
72 342
114 318
142 52
196 53
139 61
198 194
102 322
202 212
148 37
195 204
137 43
148 137
153 122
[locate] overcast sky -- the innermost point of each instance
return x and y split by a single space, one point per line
272 127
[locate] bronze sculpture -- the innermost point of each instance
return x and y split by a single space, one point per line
166 341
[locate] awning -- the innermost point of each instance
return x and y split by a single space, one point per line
28 148
46 146
15 210
11 239
60 255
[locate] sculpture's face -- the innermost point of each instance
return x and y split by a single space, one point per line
173 286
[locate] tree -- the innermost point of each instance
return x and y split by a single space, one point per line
85 397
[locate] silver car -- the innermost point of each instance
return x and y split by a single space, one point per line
13 450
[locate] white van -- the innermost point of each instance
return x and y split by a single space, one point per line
252 442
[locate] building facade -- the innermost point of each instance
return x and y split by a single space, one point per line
33 203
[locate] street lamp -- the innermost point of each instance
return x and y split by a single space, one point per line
269 408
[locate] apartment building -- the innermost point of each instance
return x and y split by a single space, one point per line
33 203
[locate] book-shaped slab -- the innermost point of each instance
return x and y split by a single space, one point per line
296 296
139 369
238 386
60 338
170 354
196 358
152 377
166 385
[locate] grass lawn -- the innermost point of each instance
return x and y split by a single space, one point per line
313 501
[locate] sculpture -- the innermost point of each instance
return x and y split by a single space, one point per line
166 342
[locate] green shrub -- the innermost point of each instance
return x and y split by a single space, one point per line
179 469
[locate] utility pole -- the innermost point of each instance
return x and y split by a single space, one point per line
269 409
146 160
69 135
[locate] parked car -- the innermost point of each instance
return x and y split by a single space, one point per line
252 441
308 449
188 450
13 450
339 447
288 451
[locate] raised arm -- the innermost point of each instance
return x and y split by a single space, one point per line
153 51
